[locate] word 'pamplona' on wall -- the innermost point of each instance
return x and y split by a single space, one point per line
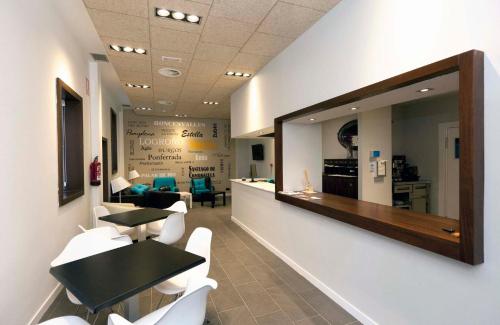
178 147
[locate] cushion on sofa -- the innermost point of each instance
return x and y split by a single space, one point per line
139 189
199 184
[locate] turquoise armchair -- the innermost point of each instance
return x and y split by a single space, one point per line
165 181
201 185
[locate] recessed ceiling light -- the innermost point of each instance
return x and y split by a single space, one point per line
177 115
210 103
205 103
193 18
170 72
424 90
238 74
127 49
353 108
136 85
162 12
177 15
143 108
312 119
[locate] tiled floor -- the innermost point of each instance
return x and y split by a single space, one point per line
255 286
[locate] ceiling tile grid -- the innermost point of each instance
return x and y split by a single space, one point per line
232 35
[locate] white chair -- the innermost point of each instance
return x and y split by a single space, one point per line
92 242
100 211
189 309
65 320
199 243
172 228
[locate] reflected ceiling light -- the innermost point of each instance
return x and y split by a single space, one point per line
424 90
136 85
312 119
238 74
353 108
162 12
127 49
177 15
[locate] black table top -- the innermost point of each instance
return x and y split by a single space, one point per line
137 217
102 280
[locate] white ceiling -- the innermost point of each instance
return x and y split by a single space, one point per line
440 85
238 35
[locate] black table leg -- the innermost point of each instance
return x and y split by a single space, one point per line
213 201
224 198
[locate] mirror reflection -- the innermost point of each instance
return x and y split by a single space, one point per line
399 148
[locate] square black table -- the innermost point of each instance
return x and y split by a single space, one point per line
136 218
210 196
105 279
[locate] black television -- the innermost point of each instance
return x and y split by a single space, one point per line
258 152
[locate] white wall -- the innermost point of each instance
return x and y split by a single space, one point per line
243 154
375 133
354 45
332 149
415 134
302 147
34 228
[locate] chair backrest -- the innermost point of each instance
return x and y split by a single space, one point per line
179 206
99 211
173 228
90 243
199 243
119 207
164 181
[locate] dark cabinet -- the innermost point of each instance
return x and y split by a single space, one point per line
341 185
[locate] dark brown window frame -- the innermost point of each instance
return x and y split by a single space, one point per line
114 140
374 217
65 198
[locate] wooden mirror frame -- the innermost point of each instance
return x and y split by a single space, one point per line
469 248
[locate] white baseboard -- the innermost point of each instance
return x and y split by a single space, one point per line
46 304
350 308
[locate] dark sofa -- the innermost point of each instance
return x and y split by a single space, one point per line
150 199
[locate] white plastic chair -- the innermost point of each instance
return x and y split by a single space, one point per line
171 229
189 309
199 243
101 211
92 242
65 320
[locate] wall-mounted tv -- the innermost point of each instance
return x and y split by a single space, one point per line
258 152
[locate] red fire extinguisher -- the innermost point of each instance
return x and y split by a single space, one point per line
95 172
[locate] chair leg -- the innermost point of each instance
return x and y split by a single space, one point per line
151 301
87 317
159 302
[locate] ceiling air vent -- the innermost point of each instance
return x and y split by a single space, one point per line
99 57
169 72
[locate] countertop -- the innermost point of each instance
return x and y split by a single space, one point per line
263 186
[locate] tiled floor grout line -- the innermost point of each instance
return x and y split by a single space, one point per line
215 308
287 284
244 266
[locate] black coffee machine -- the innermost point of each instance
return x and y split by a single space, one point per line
402 171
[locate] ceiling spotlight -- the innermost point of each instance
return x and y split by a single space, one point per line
127 49
193 18
185 115
424 90
205 103
312 119
170 72
178 15
165 102
176 115
115 47
238 74
162 12
136 86
216 103
353 108
139 51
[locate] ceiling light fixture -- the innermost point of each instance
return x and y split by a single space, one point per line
238 74
127 49
136 85
424 90
312 119
210 103
143 108
170 72
165 102
353 108
177 15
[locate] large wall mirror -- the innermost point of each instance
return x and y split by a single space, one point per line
403 157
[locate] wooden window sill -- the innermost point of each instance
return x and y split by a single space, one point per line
421 230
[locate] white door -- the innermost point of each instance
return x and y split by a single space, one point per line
452 172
